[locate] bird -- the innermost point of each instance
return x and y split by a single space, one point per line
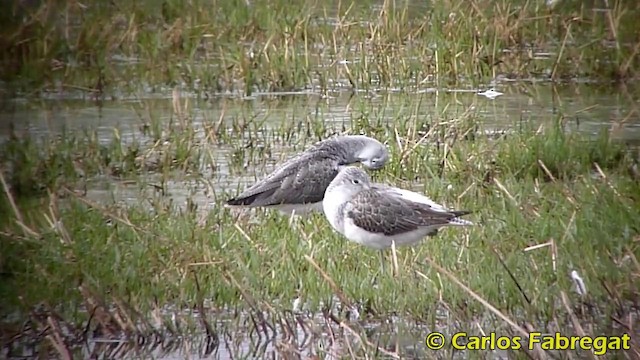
490 93
299 184
381 216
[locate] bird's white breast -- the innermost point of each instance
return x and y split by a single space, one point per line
332 204
298 209
381 241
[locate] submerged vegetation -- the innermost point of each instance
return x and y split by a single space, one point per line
212 46
554 207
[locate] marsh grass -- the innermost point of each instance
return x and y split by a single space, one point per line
215 47
546 201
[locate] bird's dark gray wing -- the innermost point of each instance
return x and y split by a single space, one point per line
301 180
381 213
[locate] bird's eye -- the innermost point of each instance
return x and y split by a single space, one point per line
355 181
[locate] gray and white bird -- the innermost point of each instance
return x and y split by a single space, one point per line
377 215
299 184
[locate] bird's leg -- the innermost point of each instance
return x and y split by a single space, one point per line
292 218
394 257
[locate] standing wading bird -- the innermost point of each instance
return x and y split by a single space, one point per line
299 184
380 216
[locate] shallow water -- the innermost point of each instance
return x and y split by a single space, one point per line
585 108
295 334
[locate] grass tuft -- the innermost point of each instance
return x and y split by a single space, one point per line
214 47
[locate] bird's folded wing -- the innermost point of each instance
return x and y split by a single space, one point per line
382 212
301 180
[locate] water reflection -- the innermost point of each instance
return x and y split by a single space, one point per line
589 108
253 334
